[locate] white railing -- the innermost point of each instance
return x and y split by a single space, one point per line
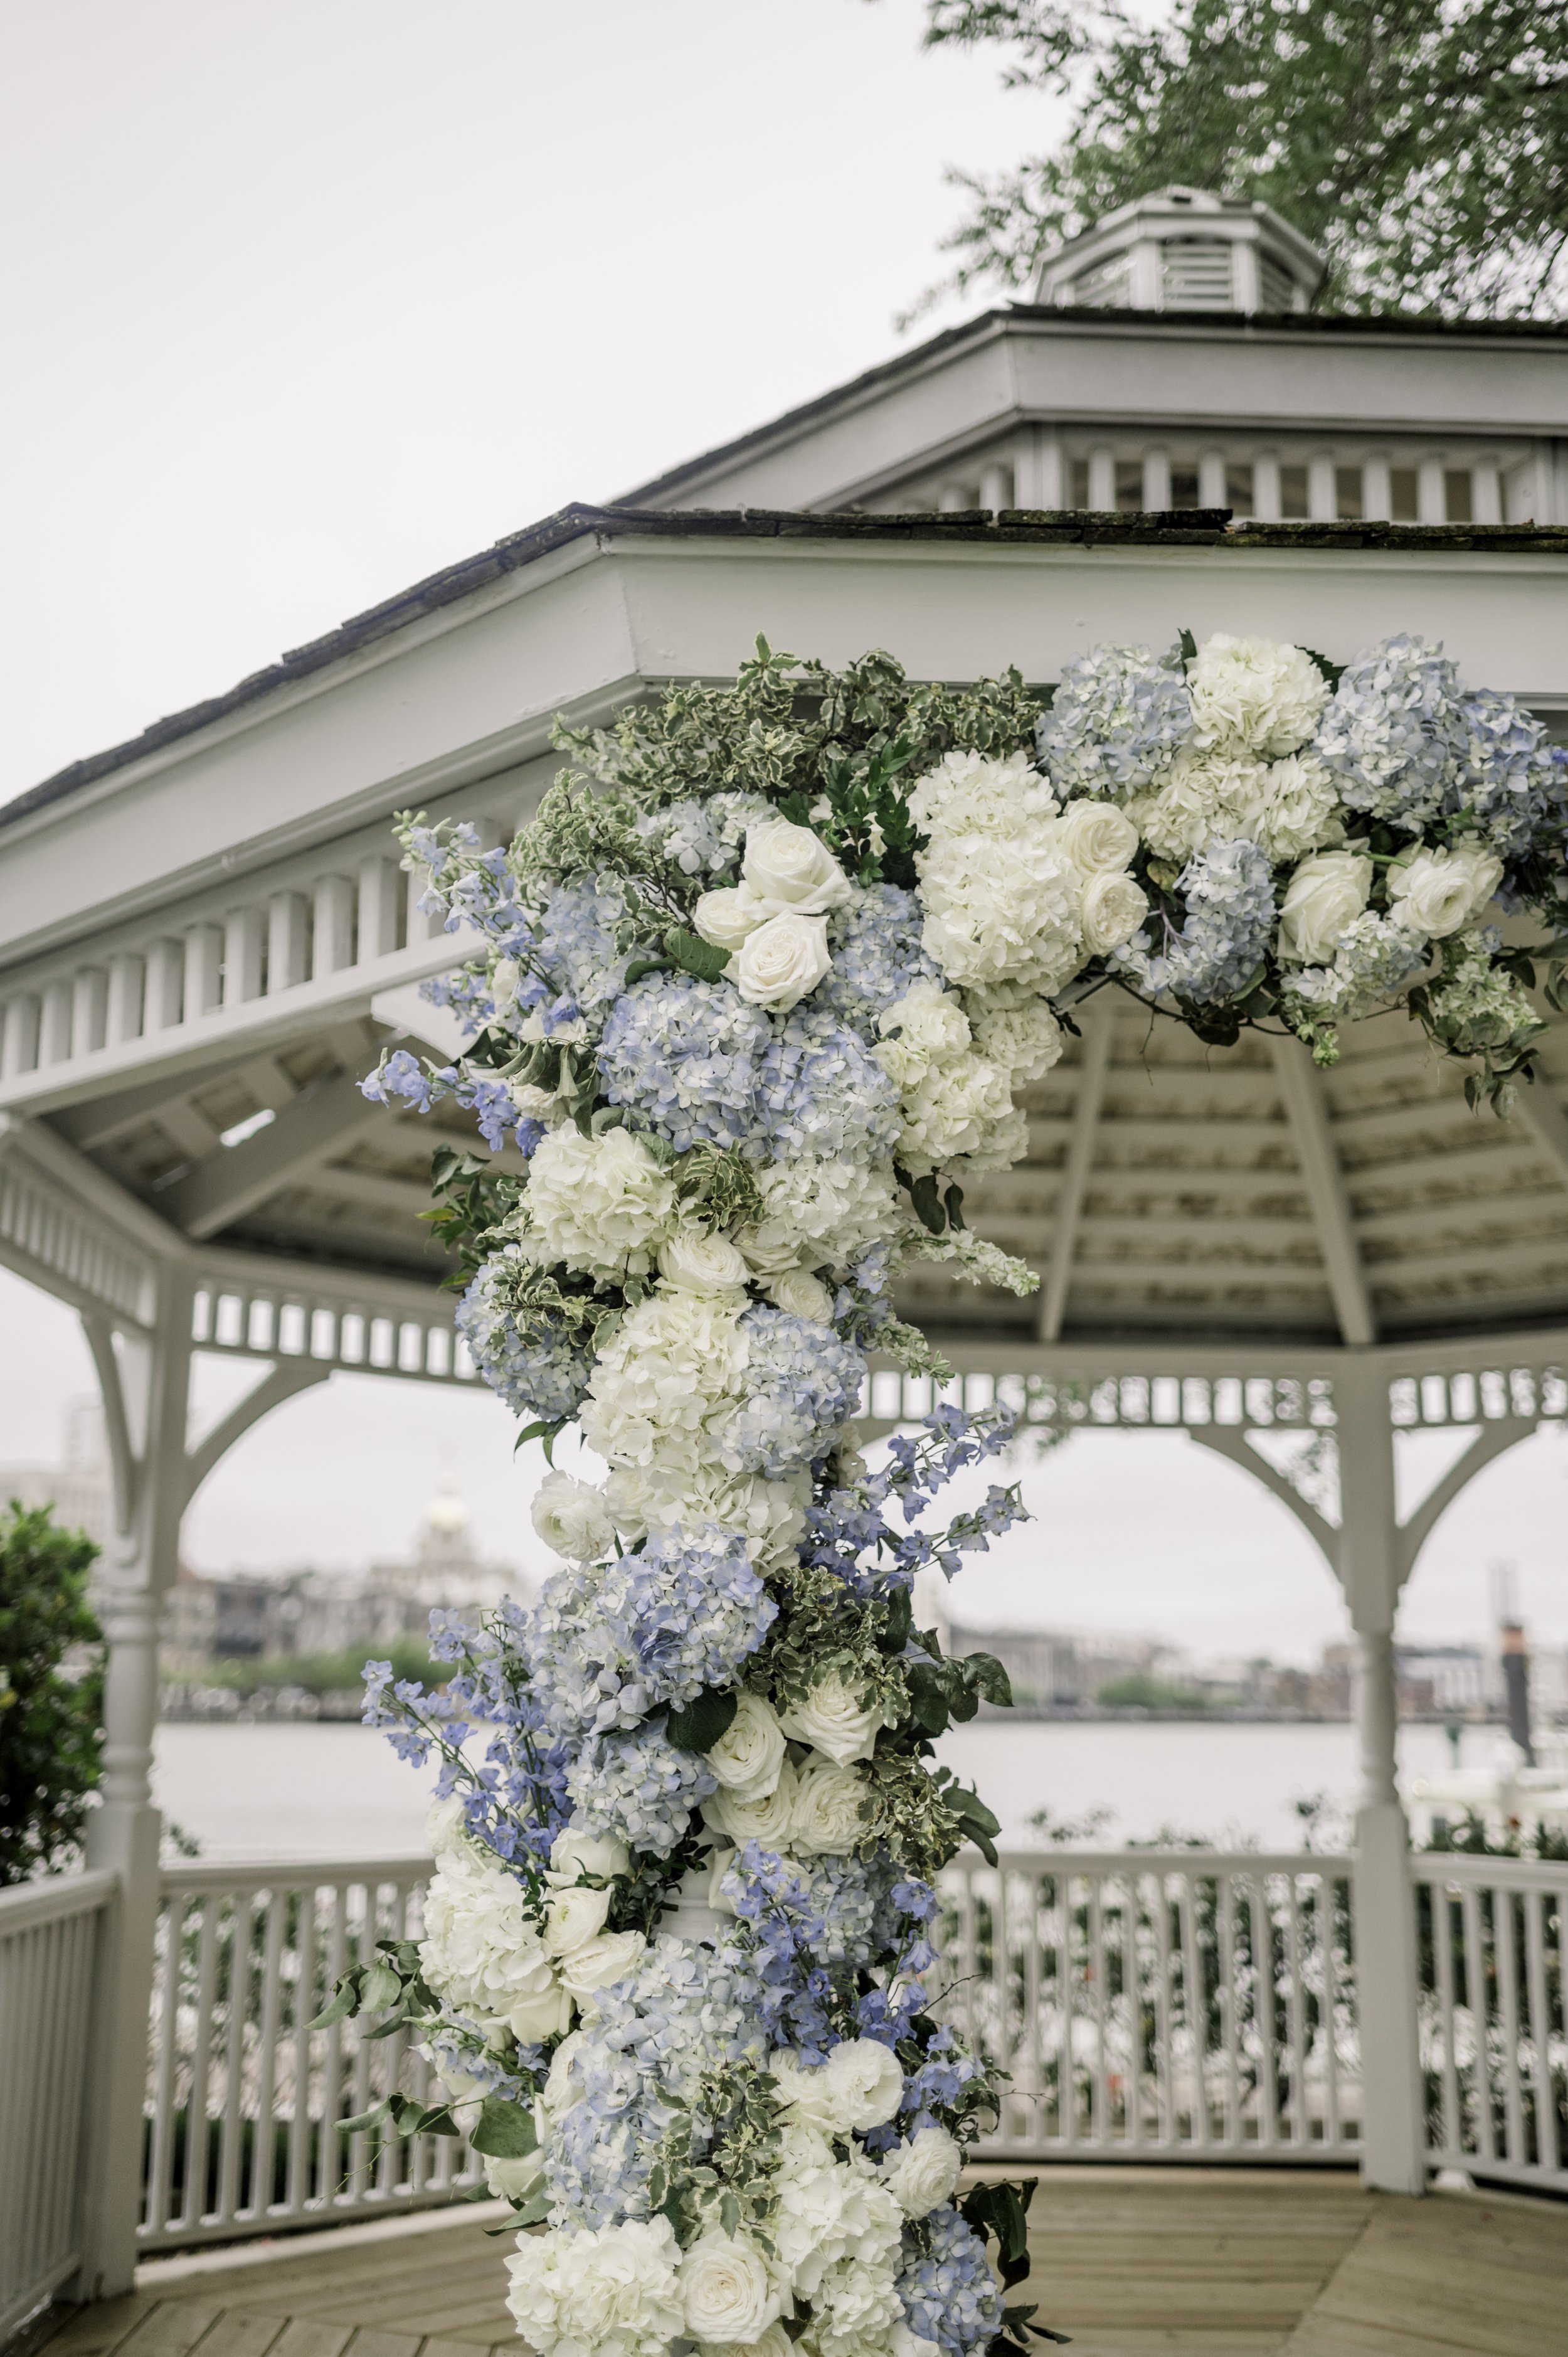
1159 2005
1493 1935
51 1943
245 2101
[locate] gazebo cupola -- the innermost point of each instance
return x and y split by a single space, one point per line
1184 250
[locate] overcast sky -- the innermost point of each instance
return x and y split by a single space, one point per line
306 297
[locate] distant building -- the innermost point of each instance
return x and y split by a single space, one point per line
1057 1670
79 1489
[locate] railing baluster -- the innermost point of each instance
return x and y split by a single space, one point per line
196 2125
1546 2153
260 2200
1225 1910
1296 2015
306 2007
1168 2133
1479 2010
1443 1930
1503 1931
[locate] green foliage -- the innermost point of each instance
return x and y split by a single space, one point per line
321 1673
1425 150
51 1732
472 1197
720 2154
1138 1691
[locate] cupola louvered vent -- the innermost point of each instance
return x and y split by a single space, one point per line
1105 286
1195 274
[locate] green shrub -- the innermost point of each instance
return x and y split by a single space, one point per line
51 1730
318 1674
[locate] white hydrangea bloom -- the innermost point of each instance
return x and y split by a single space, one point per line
770 1516
614 2291
832 2212
1254 695
1208 797
1024 1039
600 1204
817 1214
666 1381
1300 810
996 914
956 1104
483 1955
975 793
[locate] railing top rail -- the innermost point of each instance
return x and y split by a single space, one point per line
186 1880
1331 1863
53 1897
1467 1872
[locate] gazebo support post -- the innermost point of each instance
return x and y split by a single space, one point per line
1393 2137
146 1387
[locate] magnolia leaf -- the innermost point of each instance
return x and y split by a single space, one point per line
695 956
382 1985
698 1725
371 2119
345 2001
992 1679
504 2130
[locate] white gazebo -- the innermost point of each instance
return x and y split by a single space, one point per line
205 941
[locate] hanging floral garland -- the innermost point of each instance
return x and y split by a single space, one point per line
758 985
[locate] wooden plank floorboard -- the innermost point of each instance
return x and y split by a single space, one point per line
1452 2275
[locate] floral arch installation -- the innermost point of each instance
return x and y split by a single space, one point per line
777 997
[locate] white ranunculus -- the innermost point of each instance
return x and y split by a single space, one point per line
514 2180
749 1754
1326 893
576 1852
1255 695
1097 837
726 2289
767 1817
782 961
794 868
610 2290
923 2171
600 1204
574 1916
572 1518
865 2083
1437 893
1113 908
729 918
802 1294
826 1818
695 1262
598 1962
835 1720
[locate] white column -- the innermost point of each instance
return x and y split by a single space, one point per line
1431 500
54 1039
1393 2136
378 908
1486 492
1102 477
1211 478
146 1420
1156 480
89 1010
1266 487
1377 491
203 969
288 935
165 985
332 935
1039 473
125 987
1246 278
1145 288
996 487
1322 502
19 1041
244 937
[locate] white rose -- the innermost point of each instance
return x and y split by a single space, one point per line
1113 908
835 1720
599 1962
572 1518
695 1262
923 2172
826 1819
804 2087
766 1817
1097 837
730 917
865 2083
544 2014
772 2342
556 2096
514 2180
1436 892
600 1204
573 1918
726 2291
574 1852
749 1754
802 1294
794 868
1326 893
782 961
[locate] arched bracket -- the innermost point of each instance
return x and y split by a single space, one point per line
1230 1441
1492 1441
284 1382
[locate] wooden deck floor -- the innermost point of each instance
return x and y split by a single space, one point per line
1290 2264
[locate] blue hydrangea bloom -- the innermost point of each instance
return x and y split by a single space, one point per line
876 954
1511 781
686 1055
606 1646
1117 721
948 2293
801 1383
574 944
822 1092
1391 732
704 838
542 1374
636 1787
1229 896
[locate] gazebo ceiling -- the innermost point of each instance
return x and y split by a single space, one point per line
204 941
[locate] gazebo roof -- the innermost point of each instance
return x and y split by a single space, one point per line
204 940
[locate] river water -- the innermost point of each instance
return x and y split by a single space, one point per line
326 1792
